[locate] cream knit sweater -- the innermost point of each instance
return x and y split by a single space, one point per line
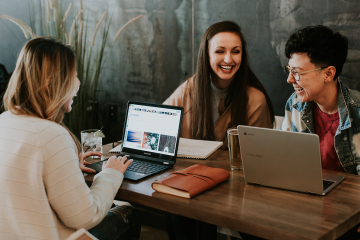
43 194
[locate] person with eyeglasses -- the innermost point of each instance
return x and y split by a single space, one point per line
321 103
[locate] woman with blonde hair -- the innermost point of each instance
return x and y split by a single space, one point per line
43 191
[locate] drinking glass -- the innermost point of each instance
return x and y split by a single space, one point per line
91 141
234 149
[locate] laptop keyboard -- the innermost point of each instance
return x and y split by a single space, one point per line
327 184
144 167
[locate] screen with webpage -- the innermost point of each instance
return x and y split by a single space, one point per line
152 129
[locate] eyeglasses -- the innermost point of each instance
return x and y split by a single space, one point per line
296 74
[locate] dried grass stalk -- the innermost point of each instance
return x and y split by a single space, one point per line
117 35
19 23
27 28
81 9
55 11
65 33
67 14
52 3
97 28
80 37
72 29
30 31
48 11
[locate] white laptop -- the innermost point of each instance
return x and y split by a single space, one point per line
286 160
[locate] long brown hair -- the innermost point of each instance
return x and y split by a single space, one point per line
202 126
43 81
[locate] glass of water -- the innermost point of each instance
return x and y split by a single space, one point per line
234 149
91 140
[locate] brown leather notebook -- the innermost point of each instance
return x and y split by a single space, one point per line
191 181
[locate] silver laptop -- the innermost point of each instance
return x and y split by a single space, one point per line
286 160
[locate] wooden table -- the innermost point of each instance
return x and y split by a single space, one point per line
261 211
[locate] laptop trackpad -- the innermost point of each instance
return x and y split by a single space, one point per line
133 175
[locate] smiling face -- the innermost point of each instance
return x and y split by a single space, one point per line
225 52
311 86
68 104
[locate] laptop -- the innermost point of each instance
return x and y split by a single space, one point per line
150 138
283 159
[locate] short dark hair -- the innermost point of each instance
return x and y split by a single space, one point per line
323 46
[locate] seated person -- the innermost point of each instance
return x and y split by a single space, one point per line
223 93
321 103
4 79
43 191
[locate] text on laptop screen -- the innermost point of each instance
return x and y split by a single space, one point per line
152 129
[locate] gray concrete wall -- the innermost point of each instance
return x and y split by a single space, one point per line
157 53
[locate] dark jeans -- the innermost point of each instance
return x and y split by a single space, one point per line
246 236
352 234
119 224
183 228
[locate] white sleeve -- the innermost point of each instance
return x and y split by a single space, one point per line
287 122
76 205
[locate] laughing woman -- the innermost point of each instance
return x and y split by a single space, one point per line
43 191
223 93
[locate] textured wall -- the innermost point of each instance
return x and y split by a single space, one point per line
267 26
150 60
158 52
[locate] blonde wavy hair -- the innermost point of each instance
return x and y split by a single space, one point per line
43 81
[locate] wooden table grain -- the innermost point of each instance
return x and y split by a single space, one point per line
265 212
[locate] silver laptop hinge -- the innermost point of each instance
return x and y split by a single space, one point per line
166 163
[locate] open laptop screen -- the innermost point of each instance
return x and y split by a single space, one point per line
152 129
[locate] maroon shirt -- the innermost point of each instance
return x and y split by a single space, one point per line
325 127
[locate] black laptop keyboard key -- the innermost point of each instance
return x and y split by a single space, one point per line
327 184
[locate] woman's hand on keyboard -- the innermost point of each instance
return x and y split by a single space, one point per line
117 163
